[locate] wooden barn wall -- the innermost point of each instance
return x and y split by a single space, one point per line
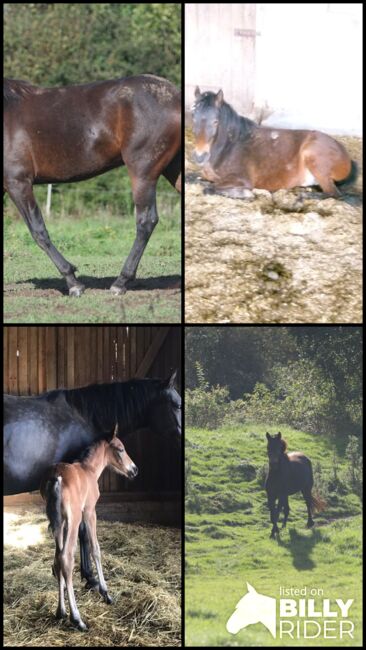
220 43
37 359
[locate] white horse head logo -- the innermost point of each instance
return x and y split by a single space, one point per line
253 608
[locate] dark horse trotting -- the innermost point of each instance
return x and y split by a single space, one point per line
238 155
57 426
59 135
288 473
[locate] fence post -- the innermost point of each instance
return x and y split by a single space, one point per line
49 196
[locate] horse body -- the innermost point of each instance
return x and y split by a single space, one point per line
238 155
288 473
71 493
78 132
56 426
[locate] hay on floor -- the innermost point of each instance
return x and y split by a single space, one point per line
142 567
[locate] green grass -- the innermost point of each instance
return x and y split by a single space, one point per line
98 244
227 543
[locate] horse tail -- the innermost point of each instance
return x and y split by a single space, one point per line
53 506
317 503
352 176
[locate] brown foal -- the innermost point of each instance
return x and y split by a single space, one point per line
71 492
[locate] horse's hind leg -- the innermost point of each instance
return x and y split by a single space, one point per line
67 564
307 496
91 523
173 172
85 564
21 193
144 194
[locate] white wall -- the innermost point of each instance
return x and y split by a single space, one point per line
307 61
309 65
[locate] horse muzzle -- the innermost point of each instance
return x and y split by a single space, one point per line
132 471
200 158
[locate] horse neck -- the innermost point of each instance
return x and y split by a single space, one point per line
124 402
228 133
284 459
97 459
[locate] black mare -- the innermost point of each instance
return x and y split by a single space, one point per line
59 135
288 473
58 425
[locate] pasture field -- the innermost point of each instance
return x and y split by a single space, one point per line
97 241
227 541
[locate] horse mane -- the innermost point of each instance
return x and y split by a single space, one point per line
103 405
240 127
284 446
14 90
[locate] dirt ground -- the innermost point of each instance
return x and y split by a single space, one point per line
288 257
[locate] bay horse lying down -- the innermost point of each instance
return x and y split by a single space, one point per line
288 473
238 155
71 493
61 135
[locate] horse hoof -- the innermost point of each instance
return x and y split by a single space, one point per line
76 290
92 583
78 623
118 291
108 599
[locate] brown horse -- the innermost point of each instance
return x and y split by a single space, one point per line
71 493
59 135
288 473
237 155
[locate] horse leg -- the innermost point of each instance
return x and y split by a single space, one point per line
286 510
21 193
90 519
234 192
173 172
85 563
67 558
307 496
274 517
61 609
144 194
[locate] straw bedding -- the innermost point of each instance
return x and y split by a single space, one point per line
142 567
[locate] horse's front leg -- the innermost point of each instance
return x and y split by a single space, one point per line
144 194
21 193
274 516
85 563
286 510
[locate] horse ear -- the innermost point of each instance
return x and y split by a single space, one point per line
279 435
268 436
219 99
197 92
115 431
251 589
169 383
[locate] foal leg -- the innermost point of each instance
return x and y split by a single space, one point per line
67 558
61 609
307 496
144 194
90 518
21 193
85 563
